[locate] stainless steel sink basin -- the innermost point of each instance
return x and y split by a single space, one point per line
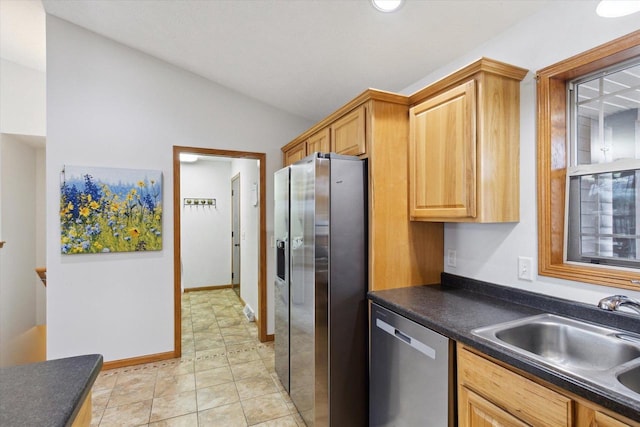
631 379
604 356
565 343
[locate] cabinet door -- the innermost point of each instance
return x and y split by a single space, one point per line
603 420
348 133
533 403
442 156
476 411
295 153
319 142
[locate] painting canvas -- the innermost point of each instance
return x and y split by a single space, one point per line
110 210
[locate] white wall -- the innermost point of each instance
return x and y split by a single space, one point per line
250 235
489 252
22 99
206 230
18 280
109 105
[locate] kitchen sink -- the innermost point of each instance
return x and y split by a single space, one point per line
567 344
631 379
605 356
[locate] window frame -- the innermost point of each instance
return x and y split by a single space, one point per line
552 161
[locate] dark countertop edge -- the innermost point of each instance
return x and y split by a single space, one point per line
24 386
513 304
95 371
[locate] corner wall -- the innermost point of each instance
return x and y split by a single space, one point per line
112 106
18 280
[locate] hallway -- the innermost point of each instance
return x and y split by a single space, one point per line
225 376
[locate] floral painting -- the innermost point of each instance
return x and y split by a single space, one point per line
110 210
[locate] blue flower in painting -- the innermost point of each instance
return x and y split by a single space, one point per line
91 188
127 238
65 248
93 230
158 233
85 245
116 234
148 202
111 223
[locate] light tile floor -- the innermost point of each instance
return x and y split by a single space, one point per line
225 376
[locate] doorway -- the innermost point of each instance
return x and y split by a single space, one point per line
235 234
261 309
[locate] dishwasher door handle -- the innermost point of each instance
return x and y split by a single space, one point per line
407 339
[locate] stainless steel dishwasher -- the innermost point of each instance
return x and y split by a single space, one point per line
411 373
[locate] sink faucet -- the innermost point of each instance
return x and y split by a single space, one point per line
614 302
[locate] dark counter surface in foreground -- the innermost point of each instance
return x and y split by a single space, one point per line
47 393
460 305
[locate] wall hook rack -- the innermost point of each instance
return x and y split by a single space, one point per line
199 201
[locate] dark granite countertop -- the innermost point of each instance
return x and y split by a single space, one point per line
47 393
460 305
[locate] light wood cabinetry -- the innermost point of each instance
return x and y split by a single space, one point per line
464 146
348 133
319 142
375 124
516 396
490 394
295 153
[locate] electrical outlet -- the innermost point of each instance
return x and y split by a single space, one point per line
525 268
451 258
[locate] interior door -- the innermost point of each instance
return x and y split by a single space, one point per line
235 234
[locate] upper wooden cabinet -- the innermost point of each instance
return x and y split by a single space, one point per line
348 133
319 142
464 146
375 125
295 153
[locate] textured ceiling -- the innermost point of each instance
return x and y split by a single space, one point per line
307 57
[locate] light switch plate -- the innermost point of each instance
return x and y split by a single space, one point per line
525 268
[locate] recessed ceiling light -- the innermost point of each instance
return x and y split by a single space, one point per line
617 8
188 158
387 5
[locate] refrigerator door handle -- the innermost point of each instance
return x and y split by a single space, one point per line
418 345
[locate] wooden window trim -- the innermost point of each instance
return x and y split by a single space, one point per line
552 162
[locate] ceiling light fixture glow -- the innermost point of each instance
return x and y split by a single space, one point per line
617 8
188 158
387 5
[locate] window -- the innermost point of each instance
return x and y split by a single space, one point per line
604 186
602 213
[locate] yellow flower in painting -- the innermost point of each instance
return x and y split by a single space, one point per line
133 192
129 197
134 232
115 207
157 217
97 245
70 206
94 205
141 184
89 197
85 211
65 239
72 233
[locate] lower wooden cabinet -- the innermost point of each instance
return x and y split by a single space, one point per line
491 395
604 420
522 399
479 412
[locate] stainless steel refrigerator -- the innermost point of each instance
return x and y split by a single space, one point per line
320 289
